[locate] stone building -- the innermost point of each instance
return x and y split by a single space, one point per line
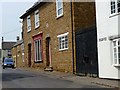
18 53
54 33
6 49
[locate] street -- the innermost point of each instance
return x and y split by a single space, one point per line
17 78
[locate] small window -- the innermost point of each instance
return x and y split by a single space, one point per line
118 5
63 41
59 7
38 51
116 51
115 6
37 19
28 23
113 9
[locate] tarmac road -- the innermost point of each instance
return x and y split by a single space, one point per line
18 78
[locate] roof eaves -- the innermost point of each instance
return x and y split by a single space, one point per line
30 10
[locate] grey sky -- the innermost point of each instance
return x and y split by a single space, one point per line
10 27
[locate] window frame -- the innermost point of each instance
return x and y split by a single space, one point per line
39 52
115 47
28 24
59 8
62 44
116 7
37 20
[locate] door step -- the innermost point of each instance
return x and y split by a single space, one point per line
48 69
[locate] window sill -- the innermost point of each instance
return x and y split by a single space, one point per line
28 31
59 16
116 65
63 49
113 15
37 27
38 61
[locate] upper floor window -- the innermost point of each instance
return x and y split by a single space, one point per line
59 7
116 52
63 41
115 6
37 19
28 23
118 5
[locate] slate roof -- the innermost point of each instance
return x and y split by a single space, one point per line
7 45
33 8
18 42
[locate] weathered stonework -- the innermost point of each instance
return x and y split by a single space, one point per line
76 15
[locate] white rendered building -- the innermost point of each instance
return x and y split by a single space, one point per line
108 34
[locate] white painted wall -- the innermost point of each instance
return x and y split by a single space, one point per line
106 26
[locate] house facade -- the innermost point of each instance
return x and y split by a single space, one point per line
108 33
50 33
18 53
6 48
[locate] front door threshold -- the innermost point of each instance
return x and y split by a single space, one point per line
48 69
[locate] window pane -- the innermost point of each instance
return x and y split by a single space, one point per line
62 45
59 7
118 42
40 51
115 50
118 5
115 61
36 49
66 44
118 49
114 43
60 11
115 56
119 61
59 4
37 19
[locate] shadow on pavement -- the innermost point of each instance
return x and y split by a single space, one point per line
13 76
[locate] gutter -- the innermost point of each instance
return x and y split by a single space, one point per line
72 35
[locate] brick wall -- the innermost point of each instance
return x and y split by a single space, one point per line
51 26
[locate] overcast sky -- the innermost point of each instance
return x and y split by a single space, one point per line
10 11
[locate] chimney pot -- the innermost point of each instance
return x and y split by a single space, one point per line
17 38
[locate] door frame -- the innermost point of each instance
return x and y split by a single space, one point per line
48 52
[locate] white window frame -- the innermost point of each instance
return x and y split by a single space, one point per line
38 50
116 7
58 8
37 23
116 54
28 24
63 44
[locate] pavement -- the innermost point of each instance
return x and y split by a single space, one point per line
78 79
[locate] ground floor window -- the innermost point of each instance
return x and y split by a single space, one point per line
63 41
38 51
116 51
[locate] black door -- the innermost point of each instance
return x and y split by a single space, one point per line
29 55
86 52
48 51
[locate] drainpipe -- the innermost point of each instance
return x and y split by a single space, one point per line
72 35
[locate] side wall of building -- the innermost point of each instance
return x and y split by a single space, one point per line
51 26
106 26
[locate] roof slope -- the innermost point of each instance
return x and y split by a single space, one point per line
33 8
7 45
